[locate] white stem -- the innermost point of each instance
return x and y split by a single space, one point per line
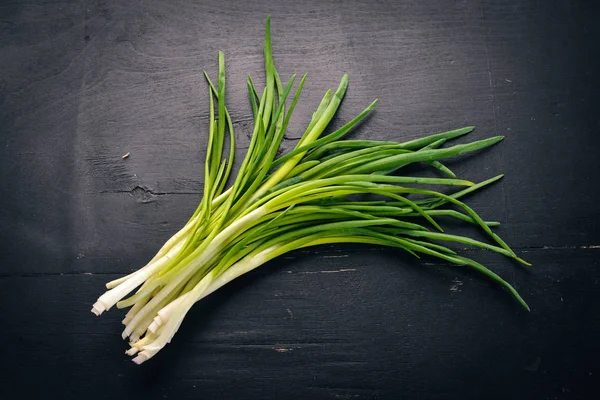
111 297
135 336
238 269
241 267
157 323
175 239
174 313
166 311
132 351
206 256
173 324
134 310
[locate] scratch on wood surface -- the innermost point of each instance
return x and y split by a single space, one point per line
338 270
456 284
591 246
282 349
334 271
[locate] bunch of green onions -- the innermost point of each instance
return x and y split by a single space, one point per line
304 198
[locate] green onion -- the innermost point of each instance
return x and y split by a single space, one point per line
326 190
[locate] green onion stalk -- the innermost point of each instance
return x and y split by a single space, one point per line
326 190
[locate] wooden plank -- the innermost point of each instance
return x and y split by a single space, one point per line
544 83
326 326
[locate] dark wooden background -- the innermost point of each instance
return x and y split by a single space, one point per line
82 83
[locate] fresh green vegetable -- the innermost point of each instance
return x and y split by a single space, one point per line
304 198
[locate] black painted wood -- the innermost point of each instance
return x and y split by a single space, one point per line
82 83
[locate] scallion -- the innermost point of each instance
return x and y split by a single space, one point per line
321 192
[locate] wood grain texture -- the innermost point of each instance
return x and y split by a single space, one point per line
82 83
